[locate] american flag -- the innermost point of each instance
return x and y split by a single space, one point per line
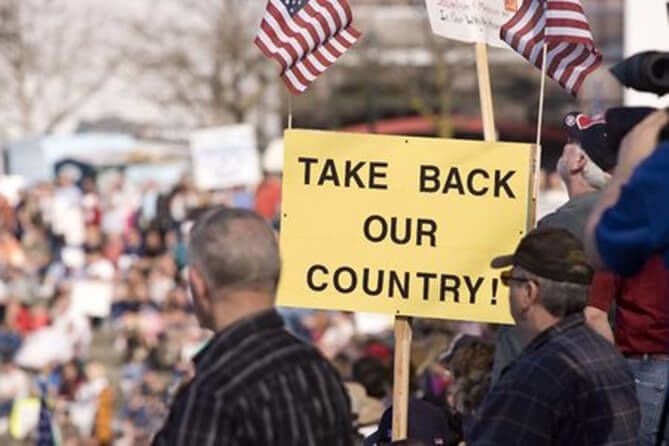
305 37
562 25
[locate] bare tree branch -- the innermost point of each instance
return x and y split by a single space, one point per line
53 60
206 62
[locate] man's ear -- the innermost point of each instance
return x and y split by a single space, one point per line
532 289
579 163
197 282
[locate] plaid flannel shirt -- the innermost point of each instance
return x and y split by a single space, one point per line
568 387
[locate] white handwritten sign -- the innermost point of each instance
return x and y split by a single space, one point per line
471 20
225 157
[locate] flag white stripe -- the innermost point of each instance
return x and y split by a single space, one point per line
589 62
348 36
305 71
338 46
283 54
555 51
322 34
556 32
571 48
294 26
550 56
326 15
340 12
316 63
317 36
524 21
294 81
327 54
536 51
541 23
566 15
283 37
565 61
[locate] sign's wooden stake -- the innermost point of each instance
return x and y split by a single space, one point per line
402 374
485 92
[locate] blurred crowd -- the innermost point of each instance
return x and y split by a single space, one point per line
94 304
98 328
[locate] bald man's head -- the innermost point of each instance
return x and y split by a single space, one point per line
235 249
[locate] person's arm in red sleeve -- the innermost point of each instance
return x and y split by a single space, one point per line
603 291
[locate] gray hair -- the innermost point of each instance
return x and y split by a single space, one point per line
594 175
235 248
560 299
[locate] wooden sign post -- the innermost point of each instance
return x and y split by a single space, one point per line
485 92
403 333
402 374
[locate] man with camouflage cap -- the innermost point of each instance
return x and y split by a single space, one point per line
569 385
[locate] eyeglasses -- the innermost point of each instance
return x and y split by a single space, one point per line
506 277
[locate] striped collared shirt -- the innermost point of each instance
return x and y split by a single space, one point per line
256 384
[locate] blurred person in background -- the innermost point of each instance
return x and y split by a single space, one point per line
552 193
67 219
14 383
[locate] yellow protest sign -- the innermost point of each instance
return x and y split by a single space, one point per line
400 225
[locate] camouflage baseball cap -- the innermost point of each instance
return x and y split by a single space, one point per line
550 253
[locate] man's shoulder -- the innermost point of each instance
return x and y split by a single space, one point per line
576 207
258 364
572 356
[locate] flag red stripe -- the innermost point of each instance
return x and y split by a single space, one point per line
312 69
324 24
347 10
292 88
567 23
259 43
557 58
527 28
331 48
318 54
569 70
287 29
302 60
586 73
572 39
332 12
517 17
342 41
538 38
354 32
309 27
298 74
271 33
565 6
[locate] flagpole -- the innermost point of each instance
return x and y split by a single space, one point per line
541 94
536 157
290 111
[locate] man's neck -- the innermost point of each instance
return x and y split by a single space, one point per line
237 305
578 187
540 321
